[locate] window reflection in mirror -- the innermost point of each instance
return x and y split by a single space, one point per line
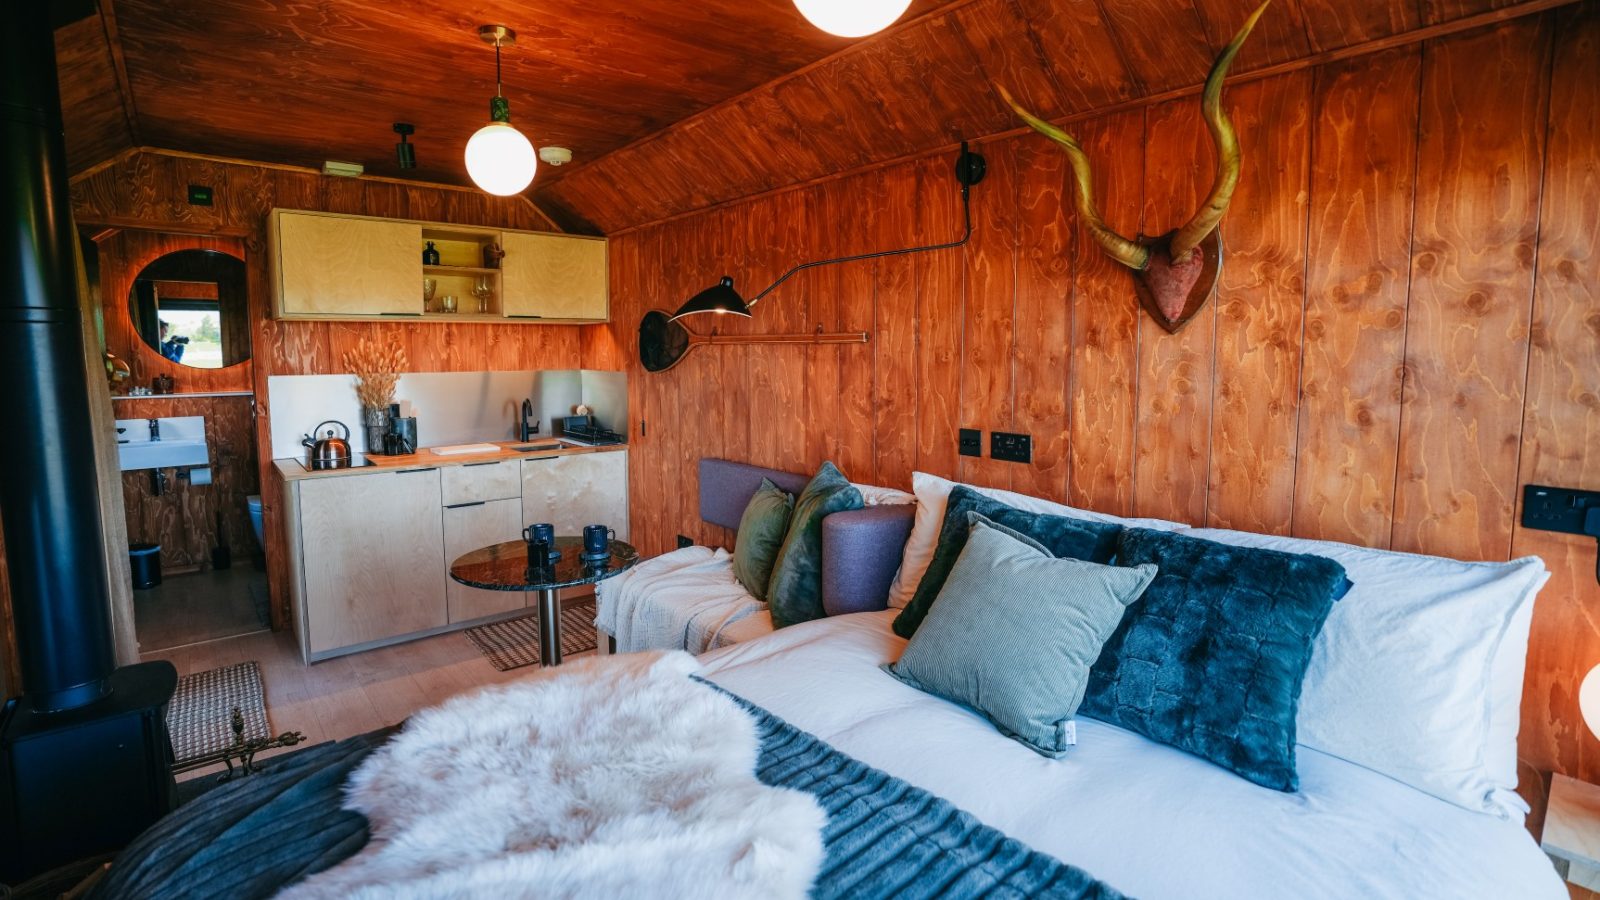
190 307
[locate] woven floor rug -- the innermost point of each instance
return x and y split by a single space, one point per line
201 713
514 643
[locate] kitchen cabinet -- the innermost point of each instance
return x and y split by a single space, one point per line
328 265
371 552
573 491
554 276
467 527
476 482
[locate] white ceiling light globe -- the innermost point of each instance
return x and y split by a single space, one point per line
500 159
852 18
1589 700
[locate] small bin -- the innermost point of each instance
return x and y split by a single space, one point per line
145 560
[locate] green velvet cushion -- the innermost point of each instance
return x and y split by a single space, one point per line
1015 632
795 593
1211 659
761 530
1060 535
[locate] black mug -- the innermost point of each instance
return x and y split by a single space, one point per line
541 531
597 539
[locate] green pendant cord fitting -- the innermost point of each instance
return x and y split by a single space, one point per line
499 109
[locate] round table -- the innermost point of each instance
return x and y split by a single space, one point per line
504 567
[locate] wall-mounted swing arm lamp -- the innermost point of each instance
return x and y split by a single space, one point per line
722 298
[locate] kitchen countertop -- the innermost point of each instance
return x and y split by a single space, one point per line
291 469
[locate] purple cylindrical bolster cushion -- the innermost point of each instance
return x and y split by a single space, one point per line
861 551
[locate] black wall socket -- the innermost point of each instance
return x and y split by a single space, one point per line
1561 509
971 442
1011 447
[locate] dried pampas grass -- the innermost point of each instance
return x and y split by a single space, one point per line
377 369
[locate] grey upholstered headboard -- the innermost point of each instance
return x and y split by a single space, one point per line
860 548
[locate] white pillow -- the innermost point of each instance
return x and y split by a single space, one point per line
1417 673
932 492
873 495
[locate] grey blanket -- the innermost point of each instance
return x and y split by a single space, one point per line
884 837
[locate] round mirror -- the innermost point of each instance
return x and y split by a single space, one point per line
190 307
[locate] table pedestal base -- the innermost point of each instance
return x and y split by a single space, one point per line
550 627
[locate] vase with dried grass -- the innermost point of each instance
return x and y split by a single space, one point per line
377 370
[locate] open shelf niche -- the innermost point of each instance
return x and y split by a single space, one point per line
461 265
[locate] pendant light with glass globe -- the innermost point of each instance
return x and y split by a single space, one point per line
852 18
500 158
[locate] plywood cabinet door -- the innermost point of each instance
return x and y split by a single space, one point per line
344 266
373 557
553 276
467 528
573 491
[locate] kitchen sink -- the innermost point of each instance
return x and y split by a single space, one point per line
176 442
534 448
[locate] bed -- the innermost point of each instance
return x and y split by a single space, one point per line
1143 818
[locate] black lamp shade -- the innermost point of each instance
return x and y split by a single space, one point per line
719 298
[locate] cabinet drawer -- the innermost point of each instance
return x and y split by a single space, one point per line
480 482
469 528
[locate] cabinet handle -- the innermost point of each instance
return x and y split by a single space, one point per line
523 316
399 314
492 462
538 458
465 505
426 469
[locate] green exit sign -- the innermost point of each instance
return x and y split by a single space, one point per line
200 195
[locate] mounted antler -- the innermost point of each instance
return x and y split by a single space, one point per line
1174 273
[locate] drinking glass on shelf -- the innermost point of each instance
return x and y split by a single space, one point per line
429 285
483 290
447 304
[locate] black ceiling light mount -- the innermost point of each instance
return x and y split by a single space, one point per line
722 298
405 152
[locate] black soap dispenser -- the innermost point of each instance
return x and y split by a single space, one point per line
430 256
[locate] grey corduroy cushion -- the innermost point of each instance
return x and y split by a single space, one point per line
761 530
1014 632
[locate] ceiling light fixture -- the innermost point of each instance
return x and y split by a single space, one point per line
406 153
852 18
500 158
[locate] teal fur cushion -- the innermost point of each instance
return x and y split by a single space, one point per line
1060 536
795 593
1211 659
761 531
1015 631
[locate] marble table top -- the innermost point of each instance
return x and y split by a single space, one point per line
504 567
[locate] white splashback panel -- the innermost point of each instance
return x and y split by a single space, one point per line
451 407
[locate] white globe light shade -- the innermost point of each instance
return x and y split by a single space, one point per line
852 18
500 159
1589 700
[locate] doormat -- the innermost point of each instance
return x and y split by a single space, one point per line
200 717
514 643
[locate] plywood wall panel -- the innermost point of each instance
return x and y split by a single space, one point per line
1175 370
1260 306
1105 326
895 389
1561 431
1044 307
987 358
1089 72
1359 246
1479 161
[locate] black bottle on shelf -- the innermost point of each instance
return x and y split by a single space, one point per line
430 256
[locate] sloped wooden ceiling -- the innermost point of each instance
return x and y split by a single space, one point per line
290 81
668 106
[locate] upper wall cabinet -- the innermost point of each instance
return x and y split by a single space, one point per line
329 266
554 277
346 266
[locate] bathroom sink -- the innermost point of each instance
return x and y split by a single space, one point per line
176 442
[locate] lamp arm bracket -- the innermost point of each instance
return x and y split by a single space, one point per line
970 169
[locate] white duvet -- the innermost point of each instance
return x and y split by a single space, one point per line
1148 820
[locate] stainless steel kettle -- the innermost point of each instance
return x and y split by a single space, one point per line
328 450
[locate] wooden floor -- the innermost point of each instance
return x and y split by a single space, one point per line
352 694
201 606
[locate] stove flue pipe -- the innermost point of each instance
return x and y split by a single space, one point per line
49 500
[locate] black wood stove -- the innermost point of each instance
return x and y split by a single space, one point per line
85 760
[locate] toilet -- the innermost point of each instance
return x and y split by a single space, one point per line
255 518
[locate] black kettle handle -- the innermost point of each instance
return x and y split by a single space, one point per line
318 430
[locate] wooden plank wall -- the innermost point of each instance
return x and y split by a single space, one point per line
1407 326
148 192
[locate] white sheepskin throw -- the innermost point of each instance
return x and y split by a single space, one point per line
614 776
